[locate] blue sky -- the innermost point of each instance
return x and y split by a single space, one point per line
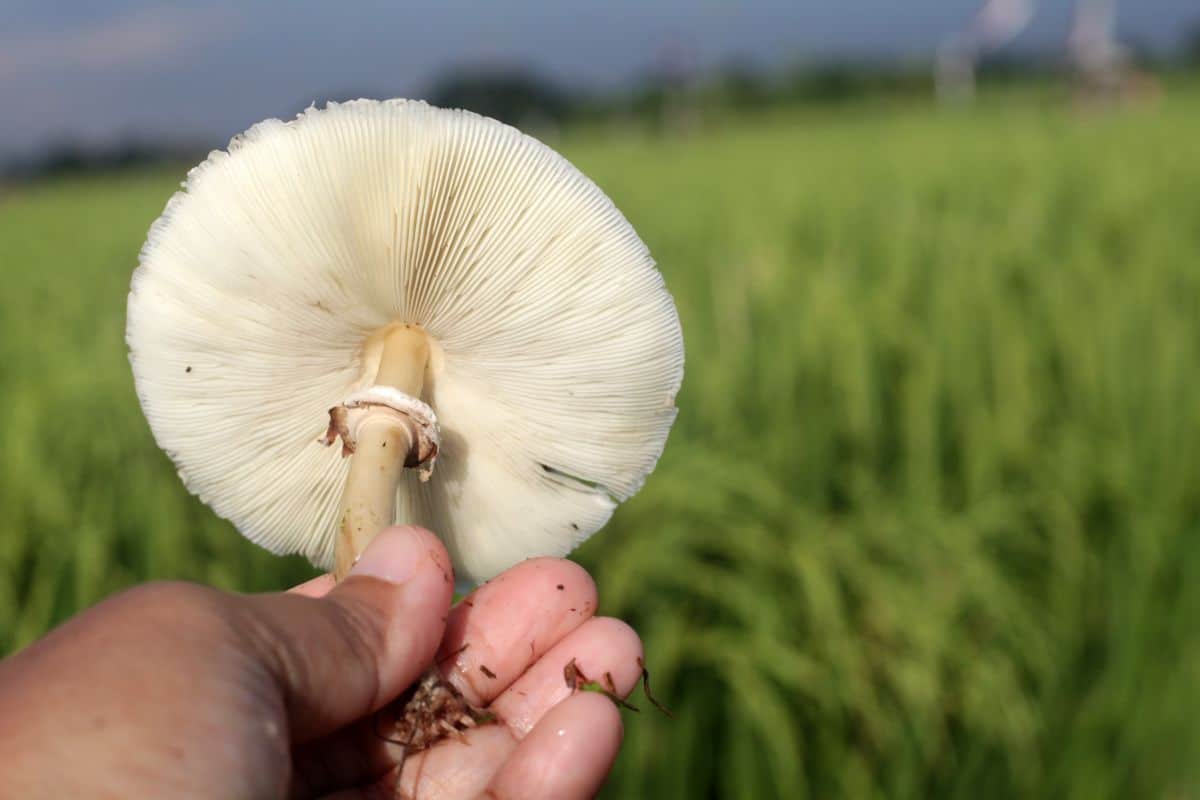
97 70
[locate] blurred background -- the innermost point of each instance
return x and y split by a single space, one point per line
929 522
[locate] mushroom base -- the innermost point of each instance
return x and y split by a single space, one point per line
430 711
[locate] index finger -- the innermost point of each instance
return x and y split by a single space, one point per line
506 625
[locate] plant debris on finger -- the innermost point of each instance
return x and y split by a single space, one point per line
646 689
578 682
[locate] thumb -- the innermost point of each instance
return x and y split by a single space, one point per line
341 657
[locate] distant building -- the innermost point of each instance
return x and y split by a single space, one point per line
1100 63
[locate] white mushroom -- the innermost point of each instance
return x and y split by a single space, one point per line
431 287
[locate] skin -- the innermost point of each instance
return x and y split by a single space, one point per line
177 690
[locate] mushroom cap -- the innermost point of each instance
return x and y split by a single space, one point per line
556 351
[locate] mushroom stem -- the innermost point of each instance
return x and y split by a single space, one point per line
382 448
404 358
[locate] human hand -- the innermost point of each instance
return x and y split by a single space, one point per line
176 690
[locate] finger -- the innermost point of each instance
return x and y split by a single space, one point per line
315 587
566 755
602 647
456 767
508 623
342 657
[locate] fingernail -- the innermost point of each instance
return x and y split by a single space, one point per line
392 556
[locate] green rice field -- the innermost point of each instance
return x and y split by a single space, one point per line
929 522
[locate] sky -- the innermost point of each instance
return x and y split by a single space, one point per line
97 70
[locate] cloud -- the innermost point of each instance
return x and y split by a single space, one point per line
142 37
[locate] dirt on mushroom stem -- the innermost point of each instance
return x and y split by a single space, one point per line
433 710
430 711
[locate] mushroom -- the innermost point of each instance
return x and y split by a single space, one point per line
453 302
